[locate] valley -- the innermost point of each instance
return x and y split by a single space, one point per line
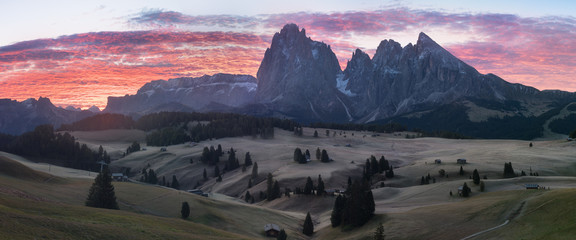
407 209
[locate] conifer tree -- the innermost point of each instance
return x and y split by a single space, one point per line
101 193
476 177
255 170
269 187
175 183
318 154
205 175
248 197
309 186
320 188
461 172
282 235
465 190
247 159
324 157
185 210
216 171
339 204
315 133
308 227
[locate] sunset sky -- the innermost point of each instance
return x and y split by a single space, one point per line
80 52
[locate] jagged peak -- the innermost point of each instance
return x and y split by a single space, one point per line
292 30
424 41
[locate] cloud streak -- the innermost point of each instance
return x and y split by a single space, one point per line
83 69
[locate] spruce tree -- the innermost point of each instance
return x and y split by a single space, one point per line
101 193
175 183
185 210
324 157
476 177
269 187
318 154
465 190
282 235
205 175
308 227
216 171
247 197
309 186
247 159
315 133
461 172
339 204
320 188
255 170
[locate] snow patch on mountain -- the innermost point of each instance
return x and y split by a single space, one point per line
341 85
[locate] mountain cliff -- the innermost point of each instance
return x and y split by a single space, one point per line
205 93
19 117
297 77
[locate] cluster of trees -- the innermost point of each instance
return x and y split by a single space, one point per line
99 122
135 147
354 208
101 193
310 189
211 156
151 177
303 157
373 167
273 188
427 179
179 127
55 148
381 128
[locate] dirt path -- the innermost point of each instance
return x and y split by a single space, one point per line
512 216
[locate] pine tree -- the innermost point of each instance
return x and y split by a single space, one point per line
269 187
219 150
247 197
308 227
309 186
101 193
461 172
247 159
249 182
276 190
315 133
255 170
216 171
282 235
318 154
175 183
476 177
185 210
205 175
324 157
320 188
465 190
379 233
339 204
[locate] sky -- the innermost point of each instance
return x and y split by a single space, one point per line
78 53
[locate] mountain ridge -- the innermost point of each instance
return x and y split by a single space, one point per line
301 79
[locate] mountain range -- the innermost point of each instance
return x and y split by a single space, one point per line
421 85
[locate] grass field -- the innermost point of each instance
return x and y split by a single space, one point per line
407 209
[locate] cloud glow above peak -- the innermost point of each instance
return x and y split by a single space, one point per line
83 69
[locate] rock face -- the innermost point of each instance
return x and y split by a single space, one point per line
187 94
297 77
402 80
19 117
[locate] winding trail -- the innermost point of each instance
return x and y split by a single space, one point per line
512 216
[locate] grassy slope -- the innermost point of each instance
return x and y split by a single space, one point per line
31 208
550 215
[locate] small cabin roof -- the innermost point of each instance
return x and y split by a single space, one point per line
271 226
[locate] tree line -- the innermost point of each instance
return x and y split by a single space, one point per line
55 148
